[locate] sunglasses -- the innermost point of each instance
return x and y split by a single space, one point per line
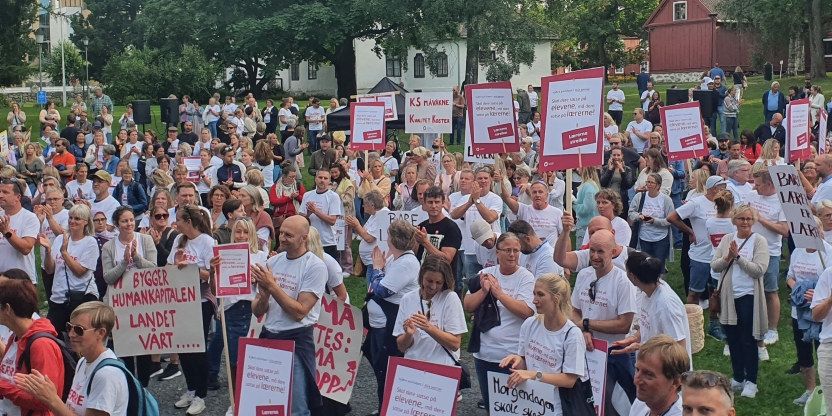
161 216
593 291
78 330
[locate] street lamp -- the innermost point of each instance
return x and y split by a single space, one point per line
87 68
63 62
39 40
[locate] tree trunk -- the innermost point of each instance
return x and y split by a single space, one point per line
251 77
817 66
344 63
472 61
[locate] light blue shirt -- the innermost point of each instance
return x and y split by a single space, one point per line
773 101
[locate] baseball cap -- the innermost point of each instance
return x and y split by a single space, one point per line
173 128
714 181
102 175
481 231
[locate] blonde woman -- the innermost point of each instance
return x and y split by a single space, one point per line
448 180
374 179
697 183
345 188
253 204
335 278
610 128
771 154
30 166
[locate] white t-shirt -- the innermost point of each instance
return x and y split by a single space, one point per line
619 261
501 341
107 205
823 290
653 207
621 229
85 251
62 217
72 188
109 392
283 112
456 200
616 95
375 227
541 261
551 352
172 217
698 210
306 273
445 311
824 190
742 283
547 222
198 251
768 207
133 158
663 313
741 192
639 408
209 117
646 96
313 113
805 266
390 164
533 98
401 276
643 127
718 228
25 224
330 203
534 129
614 296
492 202
334 272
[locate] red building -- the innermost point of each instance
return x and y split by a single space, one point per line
630 44
691 36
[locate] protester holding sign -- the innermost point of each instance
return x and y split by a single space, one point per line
545 218
195 246
289 290
551 348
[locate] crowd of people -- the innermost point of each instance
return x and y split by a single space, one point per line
496 244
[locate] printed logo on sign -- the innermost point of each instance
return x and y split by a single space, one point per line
500 131
690 141
802 139
578 137
237 279
270 410
372 135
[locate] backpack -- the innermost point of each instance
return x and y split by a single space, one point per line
67 355
140 402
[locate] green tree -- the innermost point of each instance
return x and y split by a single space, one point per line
73 62
150 74
17 45
110 28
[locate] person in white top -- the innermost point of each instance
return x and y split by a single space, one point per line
610 206
739 174
290 287
823 165
510 287
315 117
19 229
822 312
545 218
103 201
372 230
615 100
430 321
578 260
639 130
537 254
323 207
534 98
551 349
707 393
481 202
80 188
89 327
660 366
533 127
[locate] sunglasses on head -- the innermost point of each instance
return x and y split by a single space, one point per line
78 330
592 292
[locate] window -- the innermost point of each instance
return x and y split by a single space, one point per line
619 71
295 70
394 66
680 10
418 66
827 47
312 71
442 65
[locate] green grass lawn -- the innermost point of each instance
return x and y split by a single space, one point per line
777 390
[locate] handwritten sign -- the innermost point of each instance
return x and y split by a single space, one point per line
797 130
491 118
684 137
485 159
156 310
338 336
418 388
391 112
413 218
571 132
340 233
796 206
264 377
530 398
428 112
596 363
233 277
367 126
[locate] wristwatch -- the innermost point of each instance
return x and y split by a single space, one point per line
586 324
7 234
476 201
538 376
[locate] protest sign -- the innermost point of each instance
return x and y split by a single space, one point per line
486 159
684 137
367 126
413 218
4 143
387 98
491 118
264 377
340 233
338 337
596 363
156 310
233 276
572 120
823 136
797 130
420 388
255 325
527 398
796 207
194 165
428 112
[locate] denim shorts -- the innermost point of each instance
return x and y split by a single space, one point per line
772 274
700 273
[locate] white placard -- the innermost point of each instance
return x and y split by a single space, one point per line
797 207
367 126
340 234
417 392
528 398
469 151
387 98
797 130
493 124
233 277
194 165
264 378
414 218
596 363
428 112
684 137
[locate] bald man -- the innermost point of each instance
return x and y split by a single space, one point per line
603 306
823 165
578 260
290 288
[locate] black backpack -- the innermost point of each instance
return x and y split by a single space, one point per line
66 354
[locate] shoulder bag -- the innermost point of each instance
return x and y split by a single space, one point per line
576 400
465 377
713 300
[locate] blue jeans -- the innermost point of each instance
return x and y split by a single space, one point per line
732 125
658 249
677 235
313 141
720 112
483 367
237 320
744 355
300 398
212 127
458 130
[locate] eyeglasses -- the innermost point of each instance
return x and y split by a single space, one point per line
592 292
161 216
78 330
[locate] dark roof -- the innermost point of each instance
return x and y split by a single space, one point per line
340 120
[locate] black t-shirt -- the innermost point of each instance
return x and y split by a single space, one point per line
444 233
69 133
190 138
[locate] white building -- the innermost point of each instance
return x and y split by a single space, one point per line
320 80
